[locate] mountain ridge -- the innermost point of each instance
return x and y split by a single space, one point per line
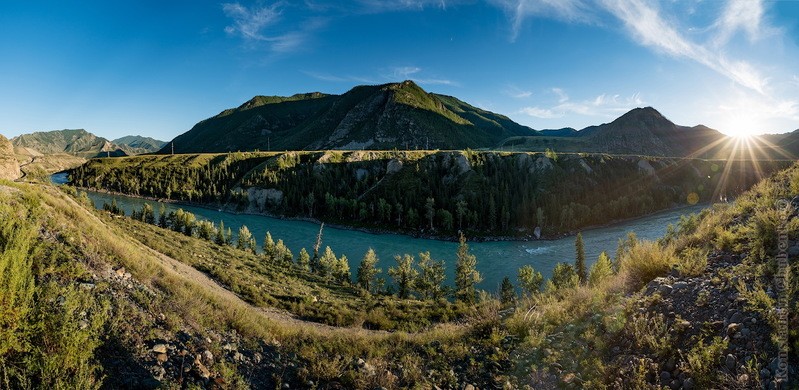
404 116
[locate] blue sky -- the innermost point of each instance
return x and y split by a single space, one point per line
156 68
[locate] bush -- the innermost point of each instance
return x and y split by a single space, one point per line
646 261
692 261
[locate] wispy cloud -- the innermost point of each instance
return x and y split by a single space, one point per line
260 25
604 105
399 73
250 22
648 28
517 93
745 15
413 72
520 10
376 6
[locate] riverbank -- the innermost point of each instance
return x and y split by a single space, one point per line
415 234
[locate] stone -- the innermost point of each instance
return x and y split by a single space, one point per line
158 372
665 377
161 357
730 362
469 386
735 317
665 289
680 285
688 384
733 329
207 357
202 371
394 166
159 348
238 357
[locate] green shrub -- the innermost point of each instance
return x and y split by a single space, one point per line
646 261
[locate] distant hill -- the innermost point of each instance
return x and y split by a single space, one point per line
77 142
398 115
140 144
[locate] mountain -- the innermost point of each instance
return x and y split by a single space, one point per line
75 142
397 115
9 166
641 131
140 144
646 131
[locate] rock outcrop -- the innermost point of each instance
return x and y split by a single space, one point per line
9 166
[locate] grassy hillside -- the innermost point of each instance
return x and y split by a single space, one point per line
89 299
431 193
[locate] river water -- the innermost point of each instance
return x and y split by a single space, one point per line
495 260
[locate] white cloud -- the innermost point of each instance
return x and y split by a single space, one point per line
648 28
562 96
516 92
249 23
377 6
745 15
519 10
542 113
252 25
604 105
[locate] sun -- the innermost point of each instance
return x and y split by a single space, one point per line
740 127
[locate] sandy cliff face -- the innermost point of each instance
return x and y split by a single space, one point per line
9 167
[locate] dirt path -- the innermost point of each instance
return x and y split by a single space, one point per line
191 274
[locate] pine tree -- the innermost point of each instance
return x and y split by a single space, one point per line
579 262
304 261
220 234
430 282
466 275
506 293
404 275
269 247
245 240
283 254
601 270
327 262
529 280
162 216
367 270
341 270
430 210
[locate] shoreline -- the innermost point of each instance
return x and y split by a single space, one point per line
378 231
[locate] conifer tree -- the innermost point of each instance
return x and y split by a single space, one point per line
269 247
304 261
601 270
245 240
404 275
579 262
506 294
466 275
367 271
430 283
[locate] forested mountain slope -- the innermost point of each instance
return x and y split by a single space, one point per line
388 116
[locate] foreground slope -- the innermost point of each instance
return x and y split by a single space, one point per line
88 300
